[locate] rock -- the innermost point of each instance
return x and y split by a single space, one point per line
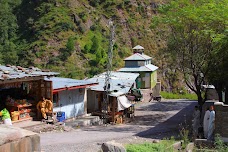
190 147
9 133
199 143
112 146
156 141
13 139
177 146
68 129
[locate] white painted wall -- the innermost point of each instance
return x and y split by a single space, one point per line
72 102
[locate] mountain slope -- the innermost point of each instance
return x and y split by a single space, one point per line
71 36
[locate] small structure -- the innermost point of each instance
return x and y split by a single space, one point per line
70 95
141 63
21 89
120 85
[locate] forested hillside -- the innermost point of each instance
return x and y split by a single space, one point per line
71 36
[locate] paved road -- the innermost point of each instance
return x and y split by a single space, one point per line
152 121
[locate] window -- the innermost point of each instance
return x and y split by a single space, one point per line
55 100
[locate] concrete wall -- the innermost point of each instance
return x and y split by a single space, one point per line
72 103
154 79
221 120
147 80
13 139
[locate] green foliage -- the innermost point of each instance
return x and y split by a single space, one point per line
83 16
42 33
70 46
95 44
194 28
219 144
164 145
168 95
184 135
8 32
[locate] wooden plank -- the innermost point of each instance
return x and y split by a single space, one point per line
113 108
30 118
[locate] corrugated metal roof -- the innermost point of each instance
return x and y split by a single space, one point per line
120 82
138 56
17 72
59 83
138 47
146 68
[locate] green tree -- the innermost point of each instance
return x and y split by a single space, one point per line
70 46
218 73
96 44
8 31
71 68
193 29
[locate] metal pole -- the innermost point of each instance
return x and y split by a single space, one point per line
108 74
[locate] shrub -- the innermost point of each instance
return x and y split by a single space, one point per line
164 145
219 144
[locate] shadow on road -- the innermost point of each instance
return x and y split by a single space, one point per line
171 126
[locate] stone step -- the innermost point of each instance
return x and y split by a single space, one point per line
85 121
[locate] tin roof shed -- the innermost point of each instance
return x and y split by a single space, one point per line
10 73
60 84
120 82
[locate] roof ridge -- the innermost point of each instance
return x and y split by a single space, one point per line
129 56
140 55
135 54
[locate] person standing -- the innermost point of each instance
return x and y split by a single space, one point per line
206 122
211 125
196 121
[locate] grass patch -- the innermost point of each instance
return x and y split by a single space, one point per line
168 95
162 146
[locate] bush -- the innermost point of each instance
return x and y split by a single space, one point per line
164 145
70 46
83 16
219 144
81 28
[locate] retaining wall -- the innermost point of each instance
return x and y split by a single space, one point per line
221 120
13 139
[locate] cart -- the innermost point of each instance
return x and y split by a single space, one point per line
156 92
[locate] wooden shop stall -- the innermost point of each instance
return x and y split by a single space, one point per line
21 89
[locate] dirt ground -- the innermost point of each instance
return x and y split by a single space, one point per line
153 120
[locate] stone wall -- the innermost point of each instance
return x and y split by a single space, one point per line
13 139
221 120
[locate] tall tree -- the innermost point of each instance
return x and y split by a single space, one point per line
218 73
193 28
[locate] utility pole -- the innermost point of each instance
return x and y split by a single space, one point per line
108 74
